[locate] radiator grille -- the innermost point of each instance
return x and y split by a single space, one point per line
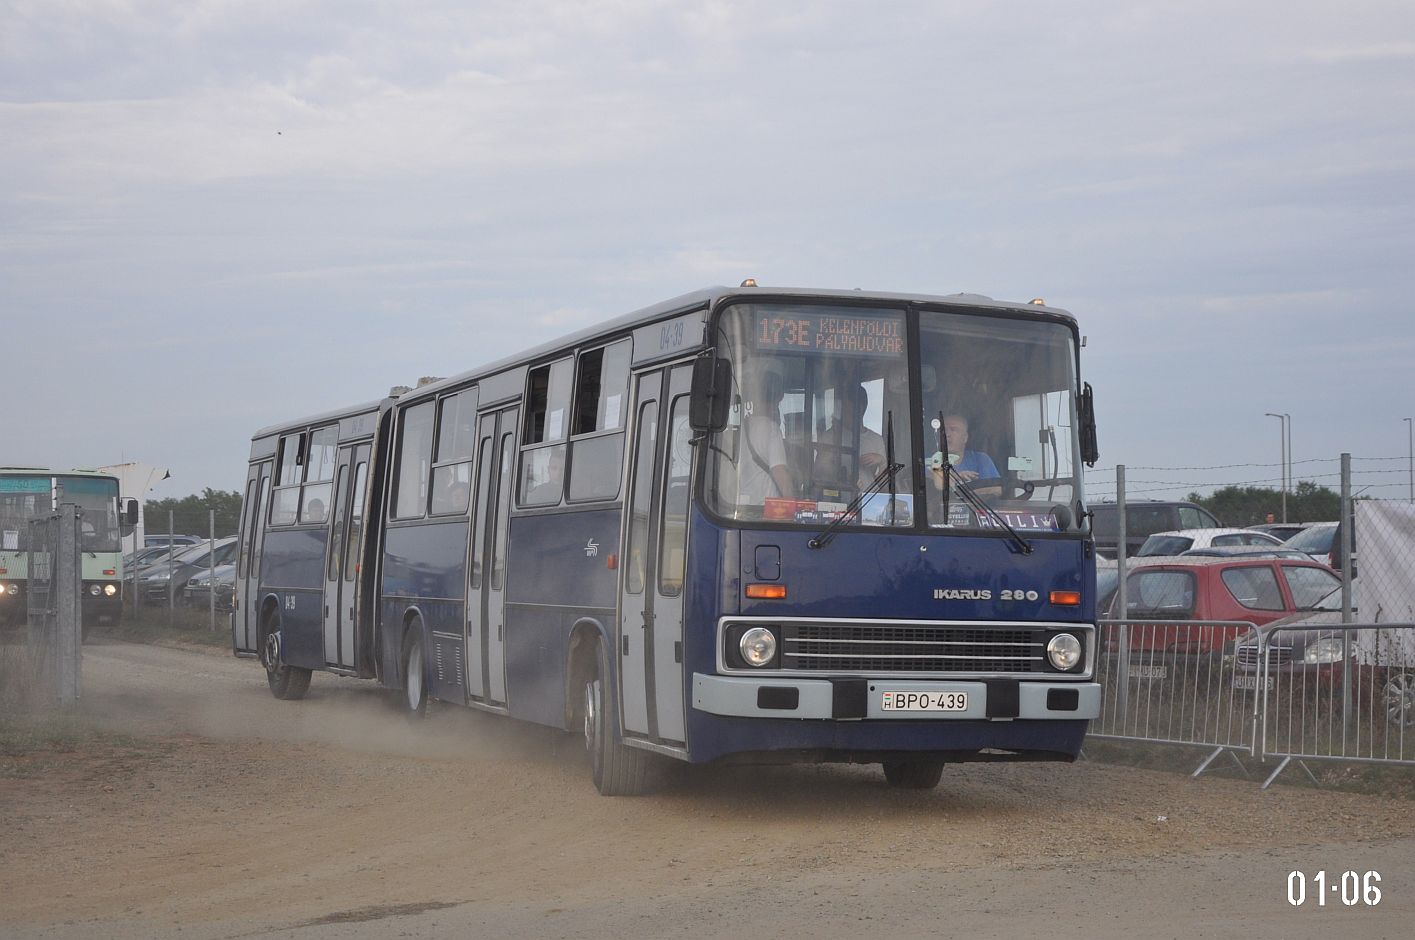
911 648
1277 656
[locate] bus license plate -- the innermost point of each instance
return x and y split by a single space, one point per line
925 701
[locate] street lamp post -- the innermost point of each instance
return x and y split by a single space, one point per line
1410 429
1291 483
1282 442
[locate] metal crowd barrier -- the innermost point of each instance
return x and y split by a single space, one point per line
1339 692
1343 692
1177 682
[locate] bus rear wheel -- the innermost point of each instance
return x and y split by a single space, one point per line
913 773
414 674
287 682
617 770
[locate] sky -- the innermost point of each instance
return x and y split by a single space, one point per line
218 215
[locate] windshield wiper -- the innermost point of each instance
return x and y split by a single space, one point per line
974 501
856 504
889 473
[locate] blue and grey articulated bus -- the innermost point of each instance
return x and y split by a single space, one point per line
750 525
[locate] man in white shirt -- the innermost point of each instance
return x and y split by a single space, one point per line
763 470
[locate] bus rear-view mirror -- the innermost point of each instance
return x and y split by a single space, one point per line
712 394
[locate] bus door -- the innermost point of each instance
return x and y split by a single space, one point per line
486 589
655 550
253 541
345 511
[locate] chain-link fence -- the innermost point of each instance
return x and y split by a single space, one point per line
1226 638
191 578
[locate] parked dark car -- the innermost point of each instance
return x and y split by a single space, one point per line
1334 556
1315 540
200 588
1315 655
1144 518
154 584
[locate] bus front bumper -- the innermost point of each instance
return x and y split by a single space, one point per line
864 699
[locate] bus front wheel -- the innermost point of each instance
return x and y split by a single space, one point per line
617 770
286 682
914 773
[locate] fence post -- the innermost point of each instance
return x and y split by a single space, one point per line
1121 603
1347 517
69 623
171 560
211 565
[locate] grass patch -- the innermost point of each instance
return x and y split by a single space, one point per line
67 742
182 626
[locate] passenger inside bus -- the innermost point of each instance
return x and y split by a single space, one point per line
852 458
764 470
314 510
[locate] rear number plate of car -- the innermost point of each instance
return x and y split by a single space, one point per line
1251 683
925 701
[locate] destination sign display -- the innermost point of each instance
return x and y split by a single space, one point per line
833 333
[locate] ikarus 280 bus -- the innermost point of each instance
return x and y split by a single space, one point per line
745 524
29 493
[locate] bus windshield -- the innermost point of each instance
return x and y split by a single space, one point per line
97 500
23 499
822 400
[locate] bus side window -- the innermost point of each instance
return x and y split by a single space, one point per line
597 444
547 426
673 540
452 463
319 471
285 501
643 492
414 454
356 522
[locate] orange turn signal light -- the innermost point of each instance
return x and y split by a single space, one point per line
1066 598
766 591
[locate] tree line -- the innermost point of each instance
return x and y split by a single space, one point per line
190 515
1250 505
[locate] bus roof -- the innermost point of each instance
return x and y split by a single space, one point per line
320 418
706 297
710 296
51 471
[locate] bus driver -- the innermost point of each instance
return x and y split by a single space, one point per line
968 465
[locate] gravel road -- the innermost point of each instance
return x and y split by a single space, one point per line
221 812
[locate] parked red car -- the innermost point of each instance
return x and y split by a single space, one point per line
1252 590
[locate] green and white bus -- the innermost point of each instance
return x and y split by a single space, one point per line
28 493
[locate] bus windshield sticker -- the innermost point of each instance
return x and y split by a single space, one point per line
1042 521
12 540
830 334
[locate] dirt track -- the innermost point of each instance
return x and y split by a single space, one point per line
238 815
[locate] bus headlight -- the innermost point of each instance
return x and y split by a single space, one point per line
95 590
758 646
110 589
1063 651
